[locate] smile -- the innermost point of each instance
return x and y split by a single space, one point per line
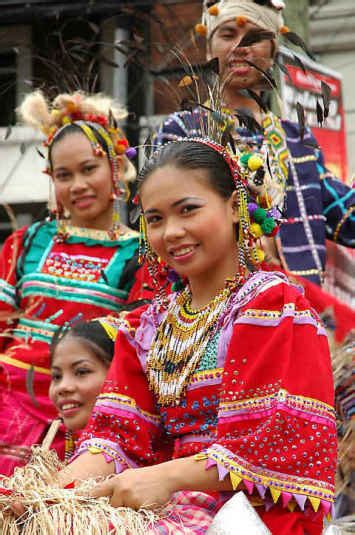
183 253
239 66
71 408
83 202
67 406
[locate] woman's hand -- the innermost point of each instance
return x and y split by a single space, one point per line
148 487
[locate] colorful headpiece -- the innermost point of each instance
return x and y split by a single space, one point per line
111 325
265 14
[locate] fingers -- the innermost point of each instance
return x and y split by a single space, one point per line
17 508
102 489
108 489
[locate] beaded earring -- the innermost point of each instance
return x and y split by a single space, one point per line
157 270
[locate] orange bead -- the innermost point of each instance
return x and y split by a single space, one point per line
187 80
213 10
201 29
241 20
284 29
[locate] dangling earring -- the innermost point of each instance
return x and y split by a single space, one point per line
156 269
146 253
59 213
115 198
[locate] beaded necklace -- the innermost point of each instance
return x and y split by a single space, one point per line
181 340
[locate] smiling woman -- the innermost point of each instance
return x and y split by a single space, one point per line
80 358
81 262
211 390
82 182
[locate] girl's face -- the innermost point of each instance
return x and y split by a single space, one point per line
77 377
189 225
82 182
233 69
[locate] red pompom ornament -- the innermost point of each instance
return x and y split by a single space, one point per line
121 146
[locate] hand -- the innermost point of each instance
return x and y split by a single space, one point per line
17 508
146 487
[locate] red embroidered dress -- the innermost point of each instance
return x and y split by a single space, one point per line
43 284
259 406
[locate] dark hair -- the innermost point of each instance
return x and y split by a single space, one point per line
73 128
91 334
193 155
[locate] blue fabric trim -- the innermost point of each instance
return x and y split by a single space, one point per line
339 201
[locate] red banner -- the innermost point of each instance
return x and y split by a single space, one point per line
304 86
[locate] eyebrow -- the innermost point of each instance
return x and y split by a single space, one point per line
89 160
174 204
227 26
72 365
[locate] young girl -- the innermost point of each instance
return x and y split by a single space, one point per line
225 385
80 358
82 262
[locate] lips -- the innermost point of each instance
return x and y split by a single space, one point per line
69 407
183 252
239 67
83 202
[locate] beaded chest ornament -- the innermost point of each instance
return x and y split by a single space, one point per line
181 340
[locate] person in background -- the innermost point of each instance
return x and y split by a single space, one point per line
80 263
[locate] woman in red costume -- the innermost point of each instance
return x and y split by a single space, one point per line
78 265
225 385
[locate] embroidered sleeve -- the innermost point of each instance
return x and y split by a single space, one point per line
142 288
125 425
9 255
276 425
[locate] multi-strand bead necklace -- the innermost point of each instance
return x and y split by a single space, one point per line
181 340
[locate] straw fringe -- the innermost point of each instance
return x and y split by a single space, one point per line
52 510
342 362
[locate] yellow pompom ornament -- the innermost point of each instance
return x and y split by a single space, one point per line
260 255
213 10
255 162
201 29
256 230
